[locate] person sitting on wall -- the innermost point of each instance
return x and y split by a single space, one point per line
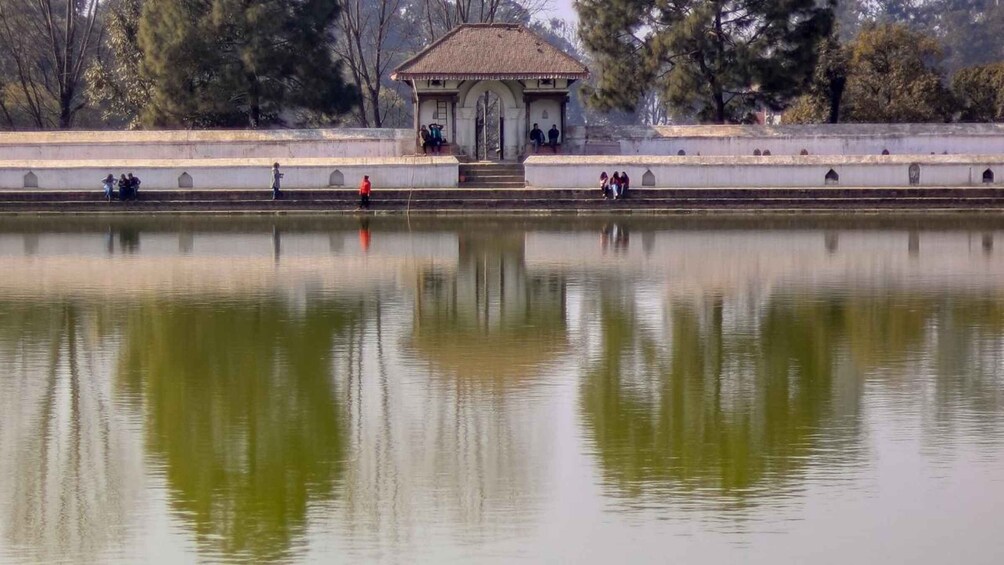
625 184
426 138
615 185
124 188
436 132
133 186
604 185
536 138
552 137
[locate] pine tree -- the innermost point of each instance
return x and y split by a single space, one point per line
713 58
240 63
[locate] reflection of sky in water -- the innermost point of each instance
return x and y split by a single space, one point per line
456 391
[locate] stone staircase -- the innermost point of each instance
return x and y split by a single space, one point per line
492 175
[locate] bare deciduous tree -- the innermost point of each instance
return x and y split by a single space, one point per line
440 16
47 46
372 44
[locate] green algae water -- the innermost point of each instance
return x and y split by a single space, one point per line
584 391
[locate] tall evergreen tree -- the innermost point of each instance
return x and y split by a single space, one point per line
240 63
718 59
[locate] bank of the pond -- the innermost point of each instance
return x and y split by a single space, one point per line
517 201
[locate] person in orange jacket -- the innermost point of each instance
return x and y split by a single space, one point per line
364 192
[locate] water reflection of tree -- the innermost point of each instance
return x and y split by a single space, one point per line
242 412
743 411
66 485
736 412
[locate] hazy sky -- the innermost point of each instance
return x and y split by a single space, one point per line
563 9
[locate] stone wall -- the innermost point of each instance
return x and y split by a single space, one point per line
840 139
768 172
166 174
195 144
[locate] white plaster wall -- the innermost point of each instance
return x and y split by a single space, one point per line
843 139
432 172
538 107
276 145
711 172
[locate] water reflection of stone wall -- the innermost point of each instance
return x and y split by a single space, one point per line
242 414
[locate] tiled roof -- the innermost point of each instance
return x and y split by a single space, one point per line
490 52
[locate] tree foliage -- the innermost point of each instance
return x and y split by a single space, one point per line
718 59
116 82
894 76
980 93
824 95
227 63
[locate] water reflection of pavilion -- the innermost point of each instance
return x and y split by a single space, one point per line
490 316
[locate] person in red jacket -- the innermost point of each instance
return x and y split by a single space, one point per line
364 192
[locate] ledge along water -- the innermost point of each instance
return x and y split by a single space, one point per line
576 201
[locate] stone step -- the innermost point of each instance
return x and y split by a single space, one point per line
479 191
510 203
492 185
489 180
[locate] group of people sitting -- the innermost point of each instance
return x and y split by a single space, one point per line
537 137
432 137
614 187
128 187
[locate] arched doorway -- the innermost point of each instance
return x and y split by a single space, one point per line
489 133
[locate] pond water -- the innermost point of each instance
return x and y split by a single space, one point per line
579 390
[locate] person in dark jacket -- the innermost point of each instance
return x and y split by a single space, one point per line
426 138
536 137
134 183
124 187
552 137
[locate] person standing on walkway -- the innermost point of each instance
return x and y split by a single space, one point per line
364 193
276 181
109 186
